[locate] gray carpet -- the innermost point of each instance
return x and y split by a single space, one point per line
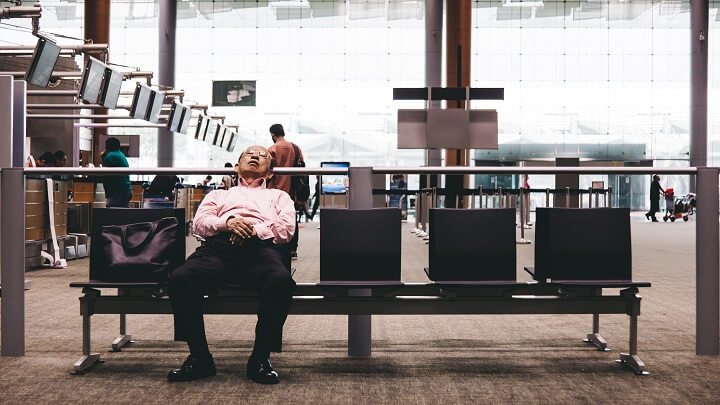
416 359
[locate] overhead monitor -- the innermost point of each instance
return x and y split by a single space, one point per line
233 141
112 83
202 125
219 133
156 101
334 183
185 122
140 102
210 131
43 62
226 138
175 119
92 80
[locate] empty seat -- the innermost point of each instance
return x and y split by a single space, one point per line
472 245
583 244
360 245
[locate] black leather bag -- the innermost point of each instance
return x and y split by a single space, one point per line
139 252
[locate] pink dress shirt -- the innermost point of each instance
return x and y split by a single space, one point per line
271 211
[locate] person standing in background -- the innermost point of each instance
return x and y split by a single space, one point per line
655 191
227 181
285 154
47 159
60 159
526 199
117 188
316 198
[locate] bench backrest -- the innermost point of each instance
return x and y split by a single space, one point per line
472 244
360 245
123 216
583 244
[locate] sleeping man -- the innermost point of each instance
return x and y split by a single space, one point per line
245 228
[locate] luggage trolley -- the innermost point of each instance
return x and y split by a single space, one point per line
681 207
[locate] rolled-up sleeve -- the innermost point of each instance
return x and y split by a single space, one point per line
281 228
206 221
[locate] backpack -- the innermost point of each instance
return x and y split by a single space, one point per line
300 185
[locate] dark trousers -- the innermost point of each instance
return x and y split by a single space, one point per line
258 264
316 204
654 207
121 201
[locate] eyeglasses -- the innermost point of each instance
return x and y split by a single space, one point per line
260 153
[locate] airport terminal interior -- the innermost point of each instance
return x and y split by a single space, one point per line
451 201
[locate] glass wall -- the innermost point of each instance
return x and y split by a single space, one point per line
604 80
714 85
323 69
595 79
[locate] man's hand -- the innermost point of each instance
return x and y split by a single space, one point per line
240 229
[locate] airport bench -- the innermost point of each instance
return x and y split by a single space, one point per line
400 299
490 292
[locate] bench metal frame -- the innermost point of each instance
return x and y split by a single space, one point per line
396 299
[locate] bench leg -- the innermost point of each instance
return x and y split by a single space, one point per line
595 338
360 329
88 359
631 360
123 339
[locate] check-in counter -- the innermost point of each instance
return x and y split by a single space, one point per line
37 224
83 191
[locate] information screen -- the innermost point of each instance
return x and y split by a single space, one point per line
334 183
92 81
210 131
201 128
219 132
140 102
187 114
43 62
175 119
112 83
153 113
233 141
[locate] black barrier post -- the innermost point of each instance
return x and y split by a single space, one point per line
360 326
12 262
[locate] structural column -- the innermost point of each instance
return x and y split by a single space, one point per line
707 260
19 123
167 22
459 26
699 15
97 30
433 62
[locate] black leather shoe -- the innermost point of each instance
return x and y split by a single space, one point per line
261 371
193 369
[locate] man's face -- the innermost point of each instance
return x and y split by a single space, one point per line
254 162
274 138
62 162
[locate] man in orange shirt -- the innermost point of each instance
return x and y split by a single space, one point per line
284 154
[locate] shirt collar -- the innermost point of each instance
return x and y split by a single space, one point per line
259 183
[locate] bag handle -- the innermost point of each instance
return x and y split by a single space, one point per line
151 233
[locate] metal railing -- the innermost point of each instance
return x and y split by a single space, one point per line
707 257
